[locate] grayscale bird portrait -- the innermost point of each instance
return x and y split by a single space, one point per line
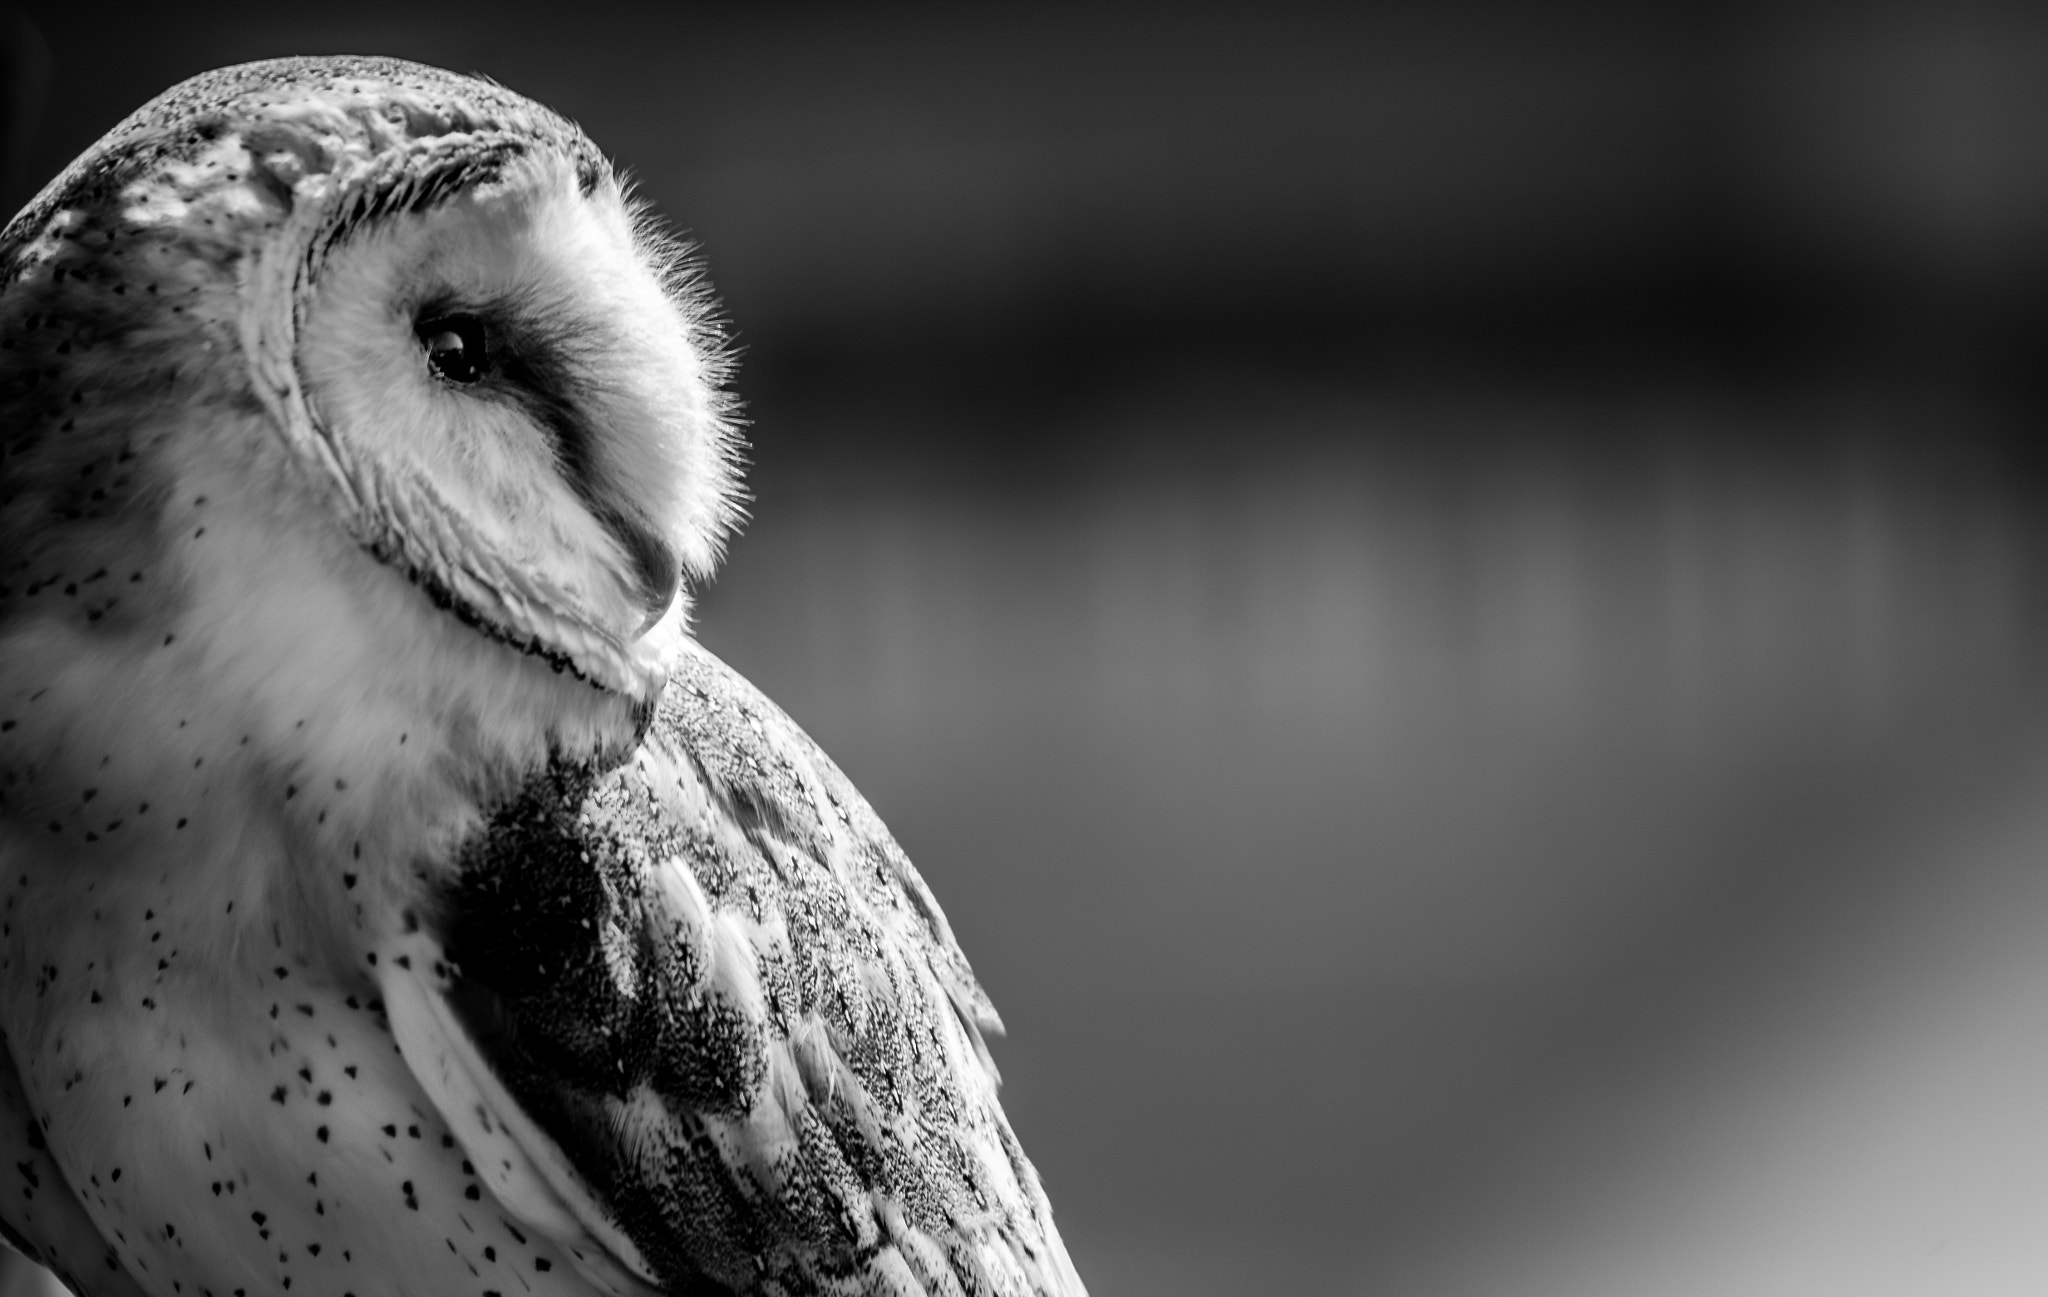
1019 651
391 882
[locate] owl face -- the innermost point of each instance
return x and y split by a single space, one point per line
510 361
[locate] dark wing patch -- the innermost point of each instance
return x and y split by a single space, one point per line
713 979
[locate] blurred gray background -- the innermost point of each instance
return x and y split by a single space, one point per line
1450 595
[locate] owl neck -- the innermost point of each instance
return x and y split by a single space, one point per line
288 744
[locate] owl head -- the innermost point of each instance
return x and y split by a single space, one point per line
470 351
356 429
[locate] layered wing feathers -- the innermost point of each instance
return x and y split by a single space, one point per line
735 1021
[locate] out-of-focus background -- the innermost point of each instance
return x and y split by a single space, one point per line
1450 595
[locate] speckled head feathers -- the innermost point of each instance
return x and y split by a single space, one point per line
384 98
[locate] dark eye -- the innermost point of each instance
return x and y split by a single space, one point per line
455 347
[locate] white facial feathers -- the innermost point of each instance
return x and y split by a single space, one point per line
579 436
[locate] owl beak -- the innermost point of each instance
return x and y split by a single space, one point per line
659 575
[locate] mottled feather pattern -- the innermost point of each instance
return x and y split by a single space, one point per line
715 979
175 129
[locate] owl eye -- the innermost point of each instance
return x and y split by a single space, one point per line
455 346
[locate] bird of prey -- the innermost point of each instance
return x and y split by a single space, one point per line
394 898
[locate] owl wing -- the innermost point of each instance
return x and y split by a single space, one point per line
698 1018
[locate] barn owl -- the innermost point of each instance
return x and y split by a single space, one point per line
394 897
